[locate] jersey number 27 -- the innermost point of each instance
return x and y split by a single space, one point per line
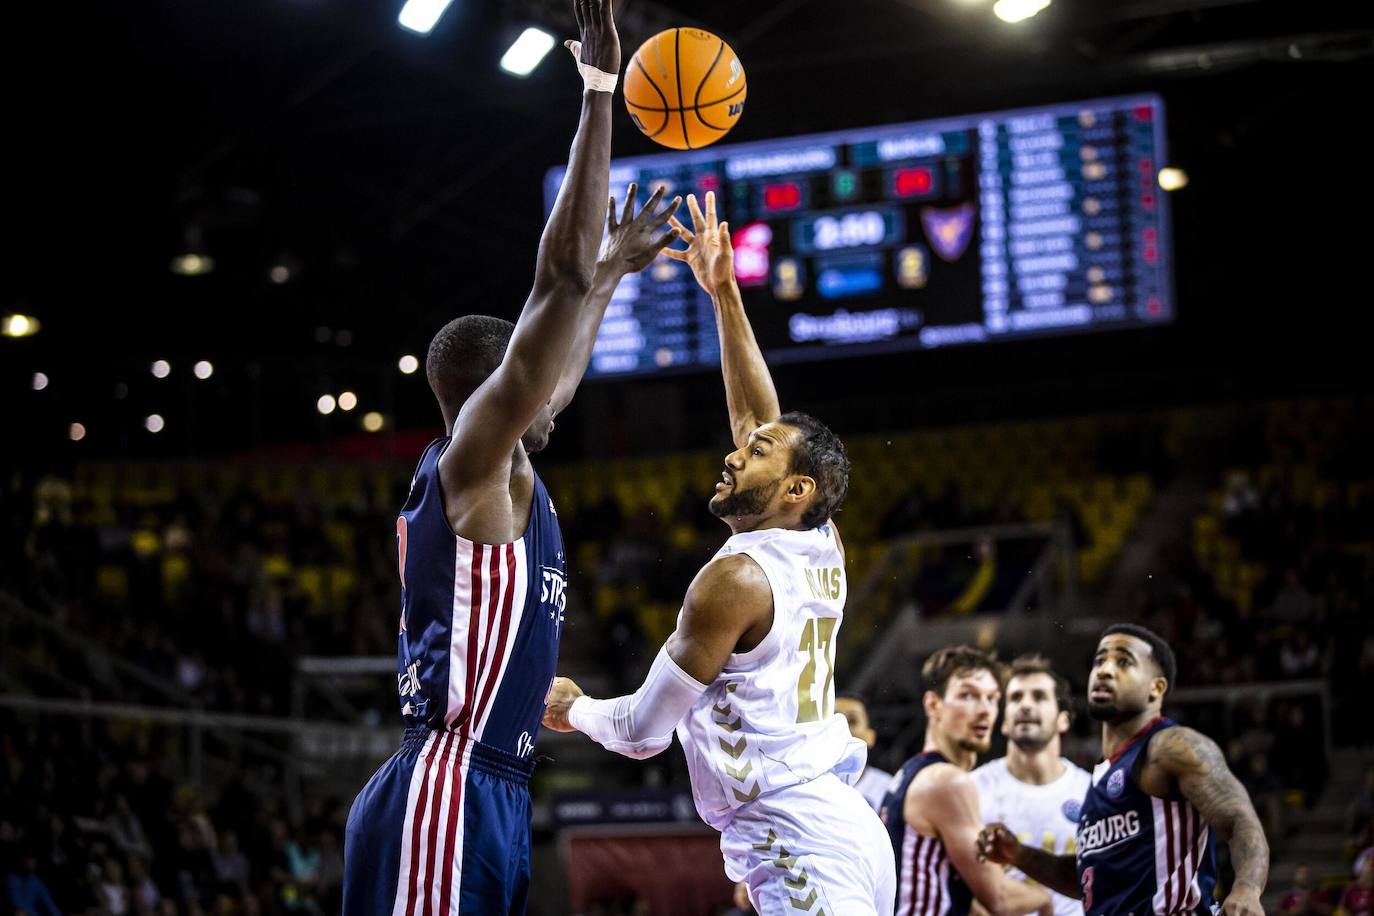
818 645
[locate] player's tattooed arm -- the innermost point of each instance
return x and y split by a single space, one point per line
1196 764
996 843
749 393
631 246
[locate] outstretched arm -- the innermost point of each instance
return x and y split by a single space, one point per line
1196 763
630 248
749 392
729 597
508 401
948 801
996 843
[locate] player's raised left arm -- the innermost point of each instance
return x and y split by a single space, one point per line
1196 763
630 247
749 393
729 596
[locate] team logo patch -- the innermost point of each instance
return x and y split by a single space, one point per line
1116 783
949 230
1072 809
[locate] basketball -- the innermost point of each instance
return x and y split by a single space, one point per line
685 88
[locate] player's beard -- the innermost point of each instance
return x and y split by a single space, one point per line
1030 743
1104 712
741 503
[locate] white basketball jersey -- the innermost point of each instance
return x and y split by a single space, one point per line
1045 817
769 721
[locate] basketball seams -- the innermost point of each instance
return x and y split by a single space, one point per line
677 62
711 104
642 69
696 99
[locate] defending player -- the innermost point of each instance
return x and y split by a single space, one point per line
444 826
1145 835
1033 790
931 810
746 678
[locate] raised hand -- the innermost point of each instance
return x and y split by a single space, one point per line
562 693
600 43
709 252
998 844
631 246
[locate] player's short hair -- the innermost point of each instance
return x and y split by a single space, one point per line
1024 665
819 454
1160 650
952 661
463 354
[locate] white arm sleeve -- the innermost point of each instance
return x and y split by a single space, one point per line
640 725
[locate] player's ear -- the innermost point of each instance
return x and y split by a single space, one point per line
1062 722
1157 688
800 488
930 701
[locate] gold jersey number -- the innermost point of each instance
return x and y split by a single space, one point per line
818 645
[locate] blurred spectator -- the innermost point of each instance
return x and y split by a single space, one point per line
1359 897
1304 898
26 892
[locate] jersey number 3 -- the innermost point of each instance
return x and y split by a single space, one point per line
816 689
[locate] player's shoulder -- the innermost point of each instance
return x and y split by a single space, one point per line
990 773
939 778
728 581
1178 749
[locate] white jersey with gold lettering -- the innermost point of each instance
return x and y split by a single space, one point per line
772 764
1045 817
769 721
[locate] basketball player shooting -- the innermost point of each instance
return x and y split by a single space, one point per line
444 826
746 679
1146 840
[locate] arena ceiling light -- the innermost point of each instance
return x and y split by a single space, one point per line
347 400
1172 179
528 50
373 421
161 368
1018 10
421 16
76 432
326 404
40 381
204 369
154 423
408 364
19 326
192 264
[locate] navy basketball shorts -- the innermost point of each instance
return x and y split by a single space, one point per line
443 828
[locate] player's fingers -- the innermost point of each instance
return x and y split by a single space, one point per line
710 208
687 235
675 254
667 212
652 204
630 193
662 244
610 214
698 221
724 235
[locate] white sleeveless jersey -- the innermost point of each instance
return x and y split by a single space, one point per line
1045 817
769 721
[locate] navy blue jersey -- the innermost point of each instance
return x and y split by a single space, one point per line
1138 854
480 623
927 884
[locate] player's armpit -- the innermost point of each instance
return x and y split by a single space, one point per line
948 802
1196 764
730 597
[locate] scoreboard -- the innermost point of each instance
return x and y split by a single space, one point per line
908 236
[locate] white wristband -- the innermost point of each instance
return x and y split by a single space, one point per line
593 80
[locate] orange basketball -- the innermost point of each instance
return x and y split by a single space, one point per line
684 88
